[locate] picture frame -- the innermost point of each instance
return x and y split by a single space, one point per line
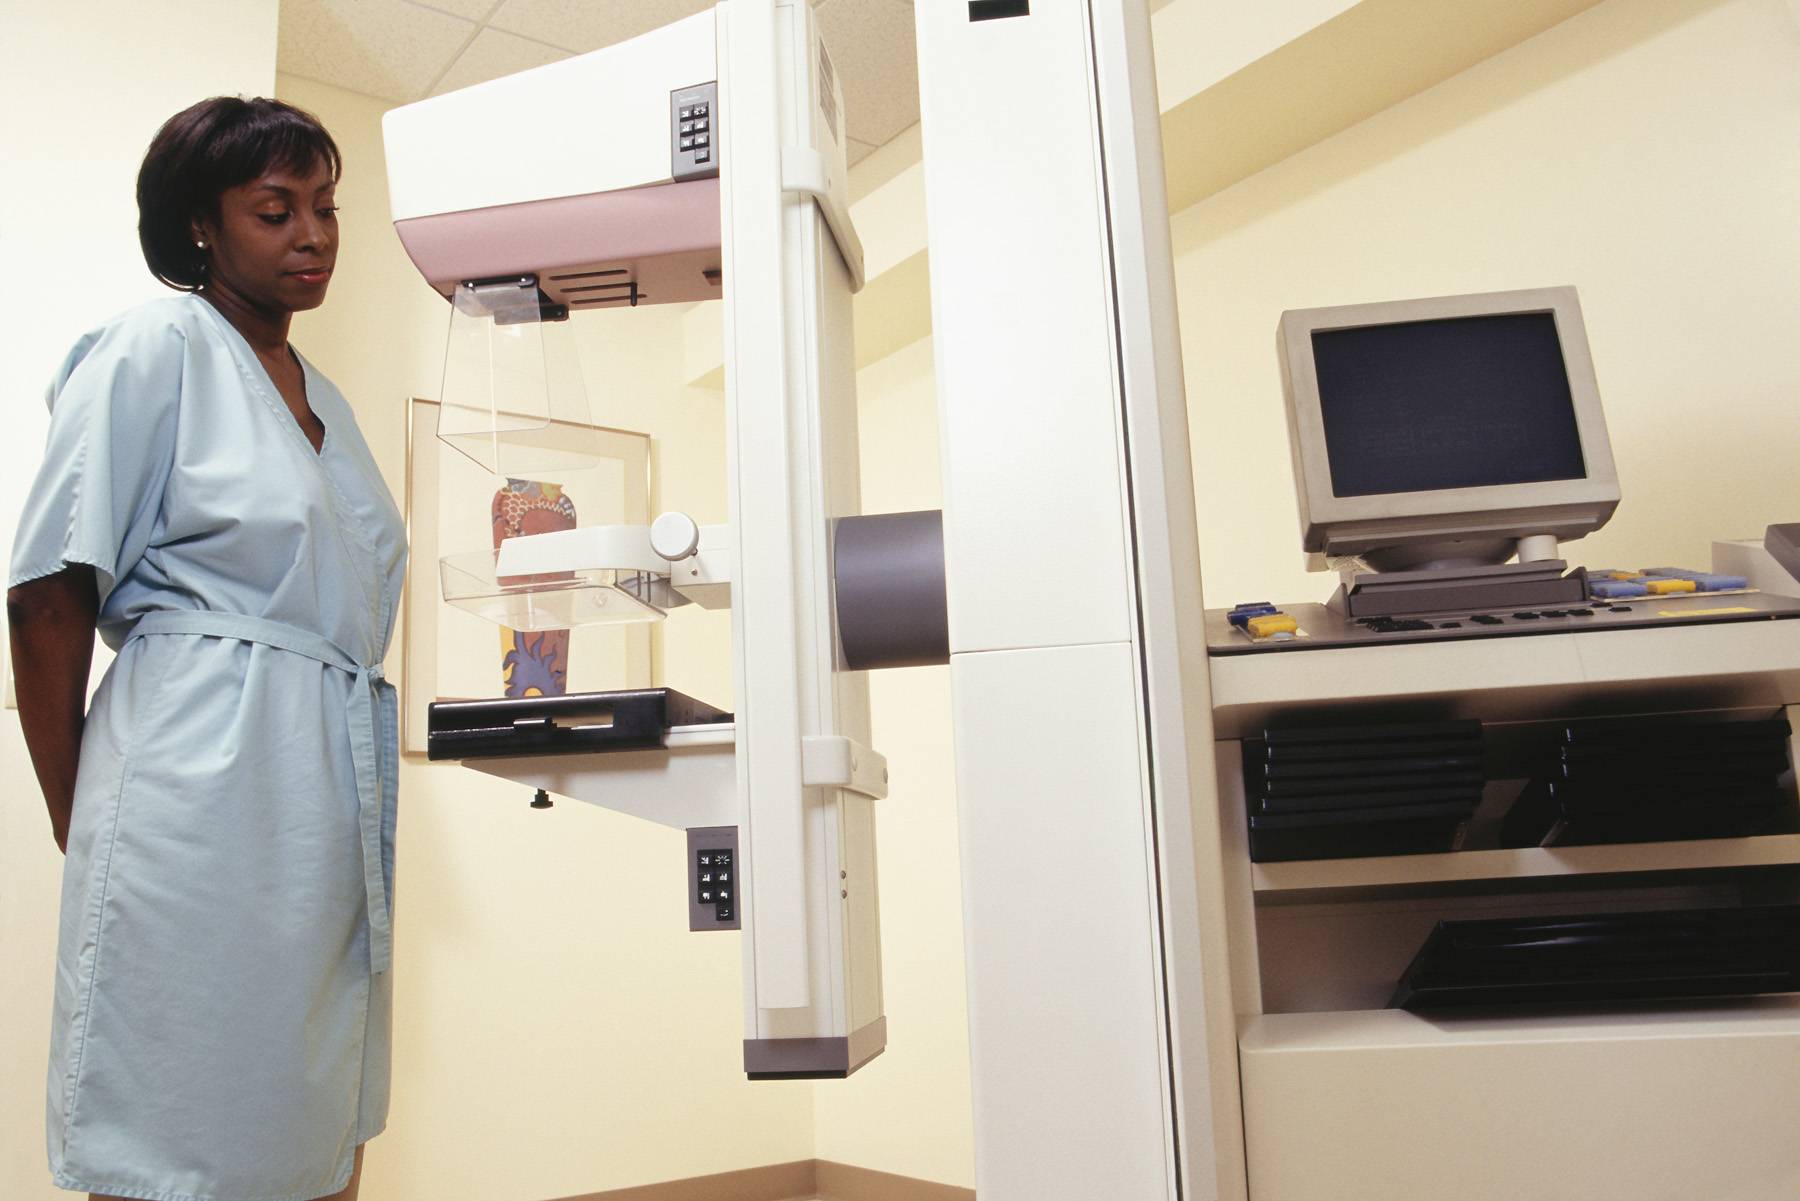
448 654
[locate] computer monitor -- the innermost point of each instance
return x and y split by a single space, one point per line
1446 432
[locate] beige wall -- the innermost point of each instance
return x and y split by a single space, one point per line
80 110
1644 151
909 1111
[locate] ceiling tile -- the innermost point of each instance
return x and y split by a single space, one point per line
474 10
386 48
872 43
583 25
493 54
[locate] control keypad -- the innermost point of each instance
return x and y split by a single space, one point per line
713 878
692 131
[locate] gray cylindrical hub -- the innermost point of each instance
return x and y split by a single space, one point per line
889 570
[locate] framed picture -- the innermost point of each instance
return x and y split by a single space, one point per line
455 506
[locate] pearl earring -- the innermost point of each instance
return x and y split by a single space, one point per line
199 245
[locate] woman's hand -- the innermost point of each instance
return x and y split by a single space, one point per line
52 621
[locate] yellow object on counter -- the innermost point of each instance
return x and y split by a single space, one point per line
1663 587
1271 623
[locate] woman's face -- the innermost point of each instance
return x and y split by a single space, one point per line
275 241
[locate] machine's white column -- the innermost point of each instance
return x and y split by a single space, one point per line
1072 1075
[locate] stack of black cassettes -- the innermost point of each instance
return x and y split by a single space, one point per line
1338 792
1657 779
1605 957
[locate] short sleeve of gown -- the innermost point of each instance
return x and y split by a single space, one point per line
113 409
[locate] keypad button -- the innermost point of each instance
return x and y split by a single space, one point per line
706 896
724 913
701 110
1581 612
687 143
703 156
724 896
687 112
705 858
1526 616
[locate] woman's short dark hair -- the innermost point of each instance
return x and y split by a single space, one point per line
199 153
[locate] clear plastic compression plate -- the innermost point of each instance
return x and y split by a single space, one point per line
548 601
512 396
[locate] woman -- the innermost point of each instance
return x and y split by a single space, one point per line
206 502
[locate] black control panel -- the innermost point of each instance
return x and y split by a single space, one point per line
1410 625
713 878
693 131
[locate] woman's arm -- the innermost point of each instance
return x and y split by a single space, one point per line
52 622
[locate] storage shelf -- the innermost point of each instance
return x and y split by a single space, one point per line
1737 665
1524 863
1371 1029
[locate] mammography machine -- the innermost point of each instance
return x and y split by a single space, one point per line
718 172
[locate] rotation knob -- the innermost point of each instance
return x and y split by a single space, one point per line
674 536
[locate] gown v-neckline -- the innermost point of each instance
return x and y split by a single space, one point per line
305 399
317 453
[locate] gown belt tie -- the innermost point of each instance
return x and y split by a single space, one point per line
373 715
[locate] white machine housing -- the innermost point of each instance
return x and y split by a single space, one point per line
483 186
1101 1031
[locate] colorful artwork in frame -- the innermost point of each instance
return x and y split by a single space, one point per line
456 506
532 663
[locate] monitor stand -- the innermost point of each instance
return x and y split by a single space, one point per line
1459 589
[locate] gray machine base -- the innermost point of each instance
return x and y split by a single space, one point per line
814 1058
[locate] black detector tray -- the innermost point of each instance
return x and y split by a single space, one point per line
584 722
1606 957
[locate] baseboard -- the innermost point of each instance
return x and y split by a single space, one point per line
776 1182
841 1182
801 1180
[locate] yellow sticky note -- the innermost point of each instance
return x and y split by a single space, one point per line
1704 612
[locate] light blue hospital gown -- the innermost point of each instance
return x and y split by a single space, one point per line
223 999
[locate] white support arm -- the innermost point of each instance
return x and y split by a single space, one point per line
614 547
805 173
832 761
704 576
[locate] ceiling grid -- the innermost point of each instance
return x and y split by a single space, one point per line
406 50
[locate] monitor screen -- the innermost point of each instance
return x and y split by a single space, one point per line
1462 402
